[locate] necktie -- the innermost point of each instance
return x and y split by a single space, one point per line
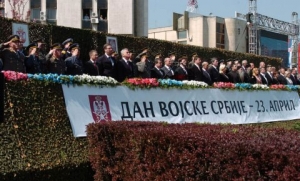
112 62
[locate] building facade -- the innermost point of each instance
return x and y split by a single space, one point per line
128 17
206 31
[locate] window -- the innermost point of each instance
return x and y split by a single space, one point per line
103 14
35 13
86 14
2 13
220 36
51 14
181 35
239 31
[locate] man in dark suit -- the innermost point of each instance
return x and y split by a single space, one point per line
156 71
90 67
281 77
181 72
293 76
269 75
106 63
168 71
263 77
124 66
195 72
213 70
206 77
11 57
233 75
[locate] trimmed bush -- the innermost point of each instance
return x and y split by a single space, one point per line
37 142
158 151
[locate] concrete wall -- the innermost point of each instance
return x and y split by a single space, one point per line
196 31
235 34
23 12
140 17
120 17
69 13
166 33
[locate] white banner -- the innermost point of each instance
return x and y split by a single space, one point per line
88 104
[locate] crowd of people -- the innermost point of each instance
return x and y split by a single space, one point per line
65 59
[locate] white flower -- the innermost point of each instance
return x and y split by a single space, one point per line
260 86
194 83
98 80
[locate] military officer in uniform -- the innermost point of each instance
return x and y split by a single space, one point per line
73 64
12 59
54 62
32 62
41 53
65 52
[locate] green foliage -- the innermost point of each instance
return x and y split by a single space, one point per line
89 40
37 142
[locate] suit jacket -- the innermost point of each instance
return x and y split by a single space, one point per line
168 73
106 67
264 79
195 73
157 73
214 74
124 70
281 79
180 74
294 79
234 77
224 78
90 68
269 78
206 77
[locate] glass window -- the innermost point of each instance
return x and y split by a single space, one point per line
35 13
182 35
2 13
220 28
220 46
51 14
220 38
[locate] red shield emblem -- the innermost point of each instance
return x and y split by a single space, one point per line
99 108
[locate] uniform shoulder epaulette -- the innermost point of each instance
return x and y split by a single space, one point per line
63 52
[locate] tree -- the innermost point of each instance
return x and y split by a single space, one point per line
18 9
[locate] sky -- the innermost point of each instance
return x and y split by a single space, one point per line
160 12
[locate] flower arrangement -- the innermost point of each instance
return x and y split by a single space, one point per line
195 84
260 87
243 86
277 87
138 82
13 76
167 83
224 85
142 83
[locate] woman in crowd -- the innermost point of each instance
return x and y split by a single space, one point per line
222 71
255 79
287 77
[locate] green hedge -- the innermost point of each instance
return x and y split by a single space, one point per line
131 150
36 138
95 40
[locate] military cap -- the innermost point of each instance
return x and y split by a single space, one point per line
32 45
69 40
13 38
171 53
144 54
74 46
56 46
222 60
